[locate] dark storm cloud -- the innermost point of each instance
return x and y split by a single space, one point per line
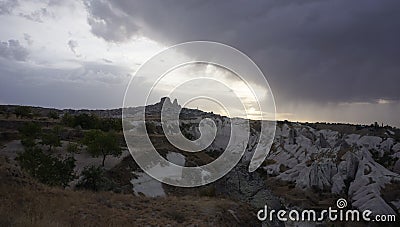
315 51
109 23
13 50
89 85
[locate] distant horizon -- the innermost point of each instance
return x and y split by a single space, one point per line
277 120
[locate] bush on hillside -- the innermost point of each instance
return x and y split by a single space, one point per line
47 169
93 178
101 143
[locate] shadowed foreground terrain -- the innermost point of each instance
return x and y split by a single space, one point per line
25 202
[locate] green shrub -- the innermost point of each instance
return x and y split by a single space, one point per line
108 124
28 142
93 178
72 148
30 130
86 121
47 169
101 143
23 111
53 115
52 138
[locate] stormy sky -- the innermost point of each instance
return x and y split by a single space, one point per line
325 60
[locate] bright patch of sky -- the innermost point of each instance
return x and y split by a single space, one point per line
58 36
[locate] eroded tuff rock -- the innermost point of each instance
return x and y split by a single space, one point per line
250 188
354 166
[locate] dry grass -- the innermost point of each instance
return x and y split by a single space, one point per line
25 202
296 197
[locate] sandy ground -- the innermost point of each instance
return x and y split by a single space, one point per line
150 187
11 149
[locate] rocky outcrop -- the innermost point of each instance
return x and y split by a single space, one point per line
292 136
339 164
322 141
353 166
250 188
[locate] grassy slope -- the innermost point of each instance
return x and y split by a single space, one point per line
25 202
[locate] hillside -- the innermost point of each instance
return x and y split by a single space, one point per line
25 202
310 165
